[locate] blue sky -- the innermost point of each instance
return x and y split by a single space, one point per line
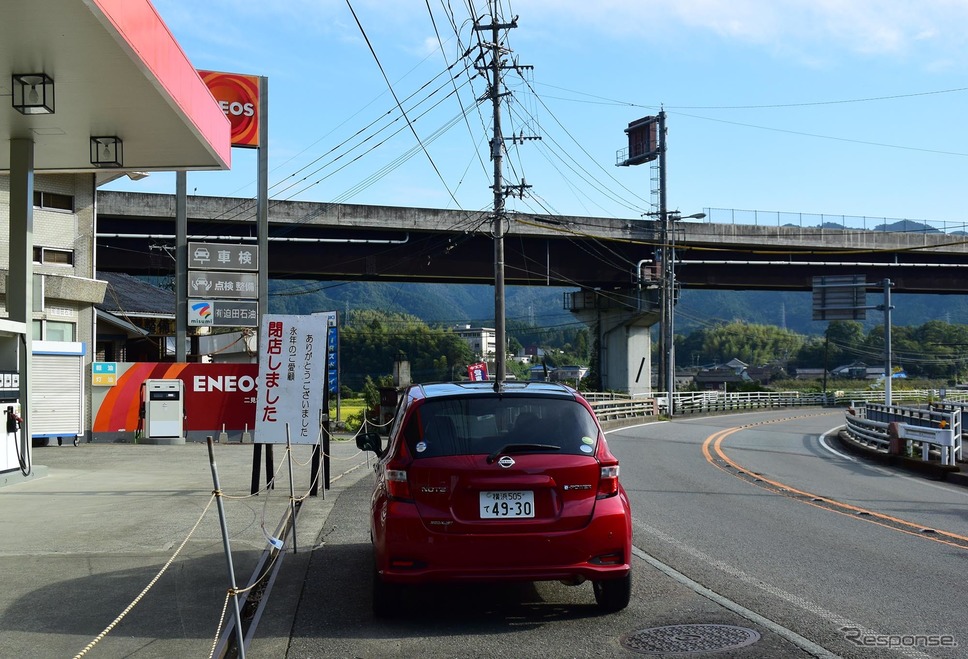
842 107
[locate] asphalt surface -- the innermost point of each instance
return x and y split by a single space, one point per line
82 542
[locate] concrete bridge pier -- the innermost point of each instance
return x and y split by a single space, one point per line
622 322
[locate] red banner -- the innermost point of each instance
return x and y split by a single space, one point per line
216 395
477 372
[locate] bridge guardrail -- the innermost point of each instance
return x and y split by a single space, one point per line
903 430
628 409
615 406
933 430
868 420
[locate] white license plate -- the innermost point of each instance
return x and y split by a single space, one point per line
507 503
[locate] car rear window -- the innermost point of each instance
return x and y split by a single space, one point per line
479 425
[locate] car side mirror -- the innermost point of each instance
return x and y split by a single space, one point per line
370 441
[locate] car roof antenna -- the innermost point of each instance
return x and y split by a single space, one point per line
498 386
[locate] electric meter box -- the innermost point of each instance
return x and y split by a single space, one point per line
164 402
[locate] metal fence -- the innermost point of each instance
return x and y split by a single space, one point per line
920 413
823 220
933 433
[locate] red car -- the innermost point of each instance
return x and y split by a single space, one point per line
516 484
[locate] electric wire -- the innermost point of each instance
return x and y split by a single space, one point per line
399 105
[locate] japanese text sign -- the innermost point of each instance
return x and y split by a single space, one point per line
292 363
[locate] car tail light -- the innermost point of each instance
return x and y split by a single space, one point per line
398 487
608 482
614 558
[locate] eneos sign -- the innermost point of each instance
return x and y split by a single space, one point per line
238 96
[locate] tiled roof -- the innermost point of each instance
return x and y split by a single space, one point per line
130 295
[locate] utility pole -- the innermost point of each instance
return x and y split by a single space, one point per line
666 330
495 91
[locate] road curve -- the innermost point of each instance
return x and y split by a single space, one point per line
761 510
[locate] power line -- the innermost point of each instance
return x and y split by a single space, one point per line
399 105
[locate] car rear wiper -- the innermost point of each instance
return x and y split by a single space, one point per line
521 448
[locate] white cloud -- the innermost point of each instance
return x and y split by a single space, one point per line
870 27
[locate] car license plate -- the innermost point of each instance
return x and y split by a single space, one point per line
507 503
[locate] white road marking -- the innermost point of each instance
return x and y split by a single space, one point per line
951 489
801 642
824 444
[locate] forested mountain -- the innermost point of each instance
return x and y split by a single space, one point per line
446 305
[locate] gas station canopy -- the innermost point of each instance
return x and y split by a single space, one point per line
116 71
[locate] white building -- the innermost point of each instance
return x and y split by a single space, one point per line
64 294
480 339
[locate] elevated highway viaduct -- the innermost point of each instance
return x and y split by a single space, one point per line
324 241
608 262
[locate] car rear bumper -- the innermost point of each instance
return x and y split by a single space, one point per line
410 552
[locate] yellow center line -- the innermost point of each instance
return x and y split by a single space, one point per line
712 449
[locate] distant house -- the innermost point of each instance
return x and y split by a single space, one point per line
858 371
766 374
568 373
737 365
715 377
136 321
540 373
809 373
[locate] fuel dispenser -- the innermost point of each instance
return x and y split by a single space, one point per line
164 411
16 451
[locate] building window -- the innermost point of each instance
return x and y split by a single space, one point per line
53 201
52 330
52 256
58 330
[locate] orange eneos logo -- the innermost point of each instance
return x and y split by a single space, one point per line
238 96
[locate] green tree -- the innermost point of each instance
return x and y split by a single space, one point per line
371 341
753 344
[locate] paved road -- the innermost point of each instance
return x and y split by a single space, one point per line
813 539
749 534
541 620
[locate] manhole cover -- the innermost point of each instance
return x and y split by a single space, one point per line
689 639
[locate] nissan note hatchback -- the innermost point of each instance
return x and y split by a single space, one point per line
482 485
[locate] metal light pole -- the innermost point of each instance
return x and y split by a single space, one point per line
670 298
647 142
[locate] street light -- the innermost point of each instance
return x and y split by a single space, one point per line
669 300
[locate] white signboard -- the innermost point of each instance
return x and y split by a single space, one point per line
292 363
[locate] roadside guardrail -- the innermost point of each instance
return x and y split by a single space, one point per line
934 431
613 411
928 425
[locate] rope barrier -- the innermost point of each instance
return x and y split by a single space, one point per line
144 592
215 494
221 621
